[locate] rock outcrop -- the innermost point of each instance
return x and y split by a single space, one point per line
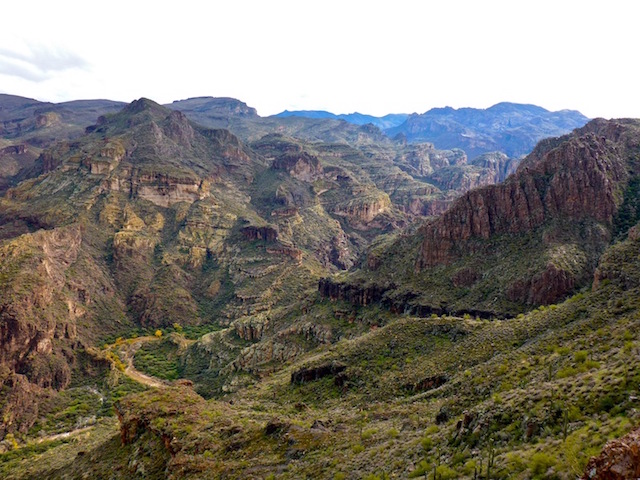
579 179
266 233
376 294
303 166
619 460
13 150
498 163
363 210
310 374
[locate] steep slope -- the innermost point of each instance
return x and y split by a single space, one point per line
531 240
510 128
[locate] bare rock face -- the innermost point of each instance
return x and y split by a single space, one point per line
253 358
355 294
305 375
161 189
266 233
179 129
13 150
580 179
303 166
164 191
22 404
544 288
619 460
364 210
498 163
423 158
251 328
340 254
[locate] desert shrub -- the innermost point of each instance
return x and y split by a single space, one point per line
580 356
540 463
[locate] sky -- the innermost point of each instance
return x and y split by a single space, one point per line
374 57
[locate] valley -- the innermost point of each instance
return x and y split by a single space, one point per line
195 291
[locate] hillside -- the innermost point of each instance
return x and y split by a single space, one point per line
28 126
528 397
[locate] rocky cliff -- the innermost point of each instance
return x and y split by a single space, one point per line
531 240
582 178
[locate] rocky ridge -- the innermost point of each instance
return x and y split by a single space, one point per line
580 180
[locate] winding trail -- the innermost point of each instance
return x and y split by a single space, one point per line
127 351
57 436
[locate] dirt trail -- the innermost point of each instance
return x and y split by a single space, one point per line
57 436
127 351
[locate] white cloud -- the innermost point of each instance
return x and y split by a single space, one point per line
38 63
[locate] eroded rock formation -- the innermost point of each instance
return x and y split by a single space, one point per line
619 460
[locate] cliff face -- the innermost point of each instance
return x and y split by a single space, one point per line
363 211
302 166
580 179
531 240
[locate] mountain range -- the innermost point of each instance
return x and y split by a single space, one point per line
510 128
385 122
195 291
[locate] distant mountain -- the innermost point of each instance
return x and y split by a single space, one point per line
40 123
511 128
388 121
213 107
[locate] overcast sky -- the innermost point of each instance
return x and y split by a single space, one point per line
371 56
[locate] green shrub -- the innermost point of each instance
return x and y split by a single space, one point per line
446 473
357 448
580 356
541 462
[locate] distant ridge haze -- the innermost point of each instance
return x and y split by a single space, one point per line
387 121
511 128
